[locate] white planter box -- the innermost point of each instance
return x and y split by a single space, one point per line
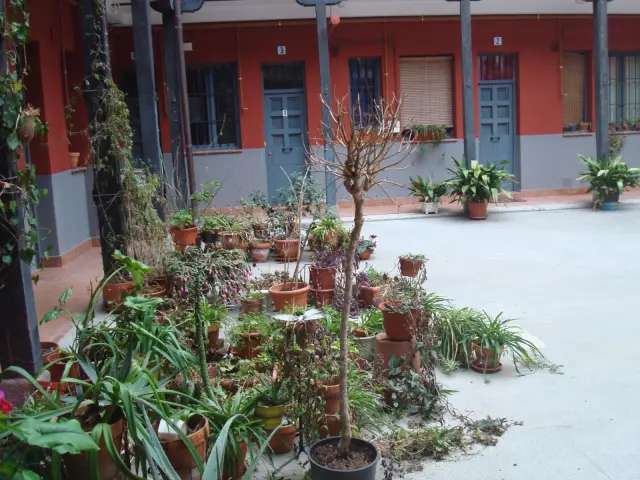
429 207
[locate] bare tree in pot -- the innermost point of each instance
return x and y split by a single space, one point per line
364 143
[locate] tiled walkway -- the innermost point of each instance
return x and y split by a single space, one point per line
87 268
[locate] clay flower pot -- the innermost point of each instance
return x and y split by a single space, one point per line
183 237
329 426
74 158
47 348
398 326
260 251
114 292
252 306
366 344
477 210
155 290
260 229
286 250
409 267
322 278
270 416
229 240
331 395
366 255
323 297
369 295
238 468
78 465
283 440
178 453
487 359
57 369
27 130
213 335
250 346
289 294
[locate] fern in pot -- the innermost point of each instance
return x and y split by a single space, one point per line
428 192
476 186
608 178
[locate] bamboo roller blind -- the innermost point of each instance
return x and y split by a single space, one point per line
573 87
426 89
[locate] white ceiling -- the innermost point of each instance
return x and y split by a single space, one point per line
257 10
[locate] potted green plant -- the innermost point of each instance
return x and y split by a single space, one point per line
252 301
426 133
607 179
371 281
260 249
247 336
328 232
411 264
403 306
210 227
182 228
370 323
475 186
584 127
428 192
366 247
213 317
273 398
493 336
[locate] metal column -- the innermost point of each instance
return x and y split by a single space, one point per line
325 85
468 102
601 60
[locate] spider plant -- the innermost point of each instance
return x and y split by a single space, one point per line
453 329
371 322
326 230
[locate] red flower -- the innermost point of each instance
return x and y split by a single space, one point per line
5 405
373 236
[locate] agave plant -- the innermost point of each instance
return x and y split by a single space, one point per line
607 176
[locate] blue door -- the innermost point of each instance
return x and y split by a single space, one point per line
285 133
497 122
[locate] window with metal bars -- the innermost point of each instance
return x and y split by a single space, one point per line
624 92
213 106
575 92
364 89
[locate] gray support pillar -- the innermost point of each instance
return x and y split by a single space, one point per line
145 75
173 103
468 103
325 85
601 61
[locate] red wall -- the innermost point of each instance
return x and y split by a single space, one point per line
54 31
537 43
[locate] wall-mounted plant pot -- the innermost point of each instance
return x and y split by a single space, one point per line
487 359
429 208
178 453
286 250
398 326
283 440
115 290
365 255
77 466
409 267
289 295
322 278
366 344
369 296
260 251
229 240
183 237
74 159
270 416
251 306
477 210
320 471
323 298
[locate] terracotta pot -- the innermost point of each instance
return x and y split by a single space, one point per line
260 251
244 247
323 297
213 336
283 440
250 346
331 395
113 292
260 229
398 326
232 386
329 426
304 332
410 268
47 348
369 295
74 158
584 127
229 240
385 349
155 290
183 237
163 317
180 456
27 129
366 255
251 306
57 369
270 416
286 250
238 468
366 344
322 278
289 294
52 387
79 465
477 210
487 359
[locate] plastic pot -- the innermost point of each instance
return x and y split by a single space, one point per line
611 202
369 295
429 207
270 416
366 345
398 326
183 237
320 472
289 294
409 267
477 210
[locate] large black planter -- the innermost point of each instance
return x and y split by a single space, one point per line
611 202
319 472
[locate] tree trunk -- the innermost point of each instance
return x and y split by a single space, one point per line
345 421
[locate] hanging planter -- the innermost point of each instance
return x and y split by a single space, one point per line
27 129
410 265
